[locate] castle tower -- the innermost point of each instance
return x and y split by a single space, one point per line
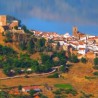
2 20
75 30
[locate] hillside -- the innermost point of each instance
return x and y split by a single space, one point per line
9 44
80 76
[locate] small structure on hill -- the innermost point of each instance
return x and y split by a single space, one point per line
77 34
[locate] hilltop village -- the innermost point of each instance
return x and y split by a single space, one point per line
82 44
36 64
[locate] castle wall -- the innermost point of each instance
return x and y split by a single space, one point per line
3 20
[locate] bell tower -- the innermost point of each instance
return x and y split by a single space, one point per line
75 31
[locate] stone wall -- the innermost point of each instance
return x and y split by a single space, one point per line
3 20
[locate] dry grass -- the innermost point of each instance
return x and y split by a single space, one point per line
75 77
2 75
36 56
2 39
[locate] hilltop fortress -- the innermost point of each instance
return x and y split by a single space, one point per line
3 20
5 25
79 43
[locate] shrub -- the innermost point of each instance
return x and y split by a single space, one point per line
83 60
57 92
96 73
88 77
73 58
84 95
55 75
3 34
95 61
71 91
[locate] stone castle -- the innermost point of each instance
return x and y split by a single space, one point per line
7 26
3 20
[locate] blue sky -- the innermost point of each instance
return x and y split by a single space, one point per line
54 15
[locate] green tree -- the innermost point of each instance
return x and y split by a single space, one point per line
40 44
96 63
83 60
8 37
16 27
62 57
30 46
74 58
63 68
24 28
7 70
3 94
42 96
20 88
22 45
55 75
58 46
32 92
45 58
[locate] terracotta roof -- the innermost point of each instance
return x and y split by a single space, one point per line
31 87
81 43
81 48
37 96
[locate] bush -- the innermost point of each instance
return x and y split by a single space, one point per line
71 91
55 75
84 95
57 92
83 60
8 36
96 73
95 61
88 77
96 67
73 58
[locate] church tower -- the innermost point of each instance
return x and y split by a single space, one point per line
75 31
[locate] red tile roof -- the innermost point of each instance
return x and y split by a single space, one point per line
37 96
31 87
81 48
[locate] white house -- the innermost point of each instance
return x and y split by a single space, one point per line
61 43
74 45
66 35
82 51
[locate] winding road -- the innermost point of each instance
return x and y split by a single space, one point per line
42 74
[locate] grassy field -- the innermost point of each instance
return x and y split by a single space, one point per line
63 86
